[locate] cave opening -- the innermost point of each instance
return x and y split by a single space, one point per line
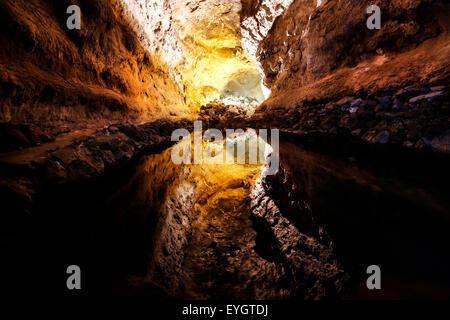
204 48
243 87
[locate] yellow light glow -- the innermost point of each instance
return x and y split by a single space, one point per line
220 189
214 55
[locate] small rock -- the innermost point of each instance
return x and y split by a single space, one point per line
413 135
356 103
437 88
330 106
55 171
113 129
333 130
345 101
382 137
407 93
429 97
369 135
441 143
408 144
422 143
400 93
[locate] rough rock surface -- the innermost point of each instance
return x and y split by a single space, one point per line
200 43
311 41
411 117
61 80
86 157
159 217
415 117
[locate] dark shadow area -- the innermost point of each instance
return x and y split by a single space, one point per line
380 205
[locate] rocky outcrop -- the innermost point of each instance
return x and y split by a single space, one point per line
318 53
312 40
412 117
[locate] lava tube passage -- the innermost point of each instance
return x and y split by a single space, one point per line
215 156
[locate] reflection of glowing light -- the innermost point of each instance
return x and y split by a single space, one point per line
237 148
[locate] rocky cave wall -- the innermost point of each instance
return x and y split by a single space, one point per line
141 60
131 61
329 73
55 80
323 49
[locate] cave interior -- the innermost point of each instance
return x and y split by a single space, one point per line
362 116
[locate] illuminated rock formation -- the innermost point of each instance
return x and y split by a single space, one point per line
60 79
200 41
